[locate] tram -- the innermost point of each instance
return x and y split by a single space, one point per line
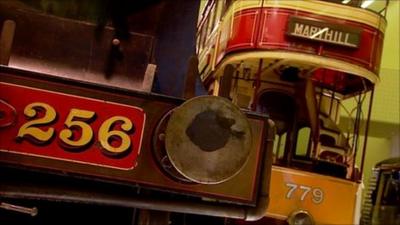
382 201
300 62
85 136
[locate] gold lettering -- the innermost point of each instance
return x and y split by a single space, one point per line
30 129
77 118
106 135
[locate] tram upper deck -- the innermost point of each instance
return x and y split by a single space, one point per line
333 44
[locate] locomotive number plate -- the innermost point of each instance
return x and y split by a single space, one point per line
48 124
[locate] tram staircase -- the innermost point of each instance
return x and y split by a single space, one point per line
366 213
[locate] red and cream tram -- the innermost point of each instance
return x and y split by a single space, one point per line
298 62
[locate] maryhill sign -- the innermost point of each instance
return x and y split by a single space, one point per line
323 31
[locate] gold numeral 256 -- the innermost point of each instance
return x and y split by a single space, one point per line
40 114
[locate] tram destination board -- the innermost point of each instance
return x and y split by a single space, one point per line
323 31
63 126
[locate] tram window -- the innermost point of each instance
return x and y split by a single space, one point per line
218 12
279 145
203 32
327 140
227 4
198 45
391 189
203 10
279 107
356 3
211 21
378 6
303 139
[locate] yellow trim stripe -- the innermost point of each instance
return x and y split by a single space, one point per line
307 59
246 4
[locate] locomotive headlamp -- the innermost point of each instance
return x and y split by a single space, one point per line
208 139
300 217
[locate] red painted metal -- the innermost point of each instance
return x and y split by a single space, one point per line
265 29
244 30
18 97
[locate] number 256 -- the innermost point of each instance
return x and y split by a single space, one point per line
77 118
